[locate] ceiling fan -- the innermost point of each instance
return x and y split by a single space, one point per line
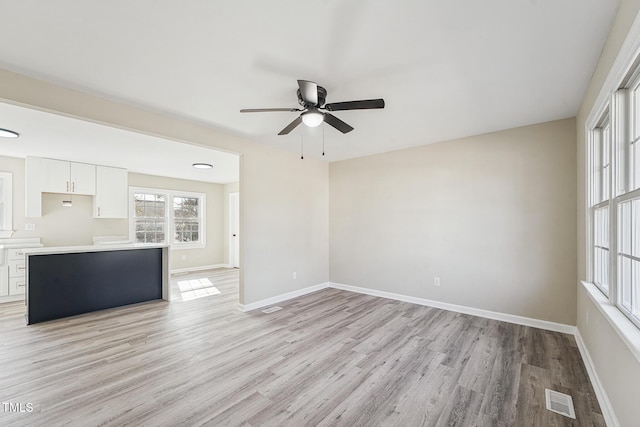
314 111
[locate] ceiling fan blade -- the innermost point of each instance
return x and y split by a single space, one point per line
337 123
366 104
291 126
264 110
308 91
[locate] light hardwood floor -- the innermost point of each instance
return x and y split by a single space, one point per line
328 358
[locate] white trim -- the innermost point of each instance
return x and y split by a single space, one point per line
11 298
233 223
624 61
608 413
510 318
626 330
199 268
282 297
169 215
6 200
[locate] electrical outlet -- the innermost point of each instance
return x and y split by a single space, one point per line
184 257
30 226
436 281
295 275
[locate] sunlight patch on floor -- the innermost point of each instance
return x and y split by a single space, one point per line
196 288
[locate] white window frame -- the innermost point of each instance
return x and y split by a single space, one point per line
169 215
596 187
619 76
619 113
6 204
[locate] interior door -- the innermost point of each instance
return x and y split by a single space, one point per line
234 230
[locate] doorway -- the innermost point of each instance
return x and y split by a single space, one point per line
234 230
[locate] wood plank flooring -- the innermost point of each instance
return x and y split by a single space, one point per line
331 358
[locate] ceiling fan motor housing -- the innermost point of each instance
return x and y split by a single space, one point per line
322 97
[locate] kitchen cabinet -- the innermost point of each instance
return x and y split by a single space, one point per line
71 280
111 200
12 267
59 176
108 185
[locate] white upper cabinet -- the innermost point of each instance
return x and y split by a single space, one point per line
83 178
111 199
108 185
59 176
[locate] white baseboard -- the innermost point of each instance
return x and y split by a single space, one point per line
605 405
510 318
199 268
282 297
11 298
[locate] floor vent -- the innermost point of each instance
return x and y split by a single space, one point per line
271 309
560 403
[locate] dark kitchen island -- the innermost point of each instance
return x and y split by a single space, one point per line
66 281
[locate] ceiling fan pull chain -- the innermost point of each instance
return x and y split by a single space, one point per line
323 140
301 146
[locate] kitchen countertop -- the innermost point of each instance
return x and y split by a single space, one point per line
19 243
92 248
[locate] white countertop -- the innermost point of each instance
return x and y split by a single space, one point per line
91 248
20 243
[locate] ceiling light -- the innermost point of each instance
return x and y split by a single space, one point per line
6 133
202 166
312 118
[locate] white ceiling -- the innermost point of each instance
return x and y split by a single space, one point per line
446 69
49 135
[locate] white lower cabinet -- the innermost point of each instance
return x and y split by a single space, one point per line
4 280
17 285
13 267
16 272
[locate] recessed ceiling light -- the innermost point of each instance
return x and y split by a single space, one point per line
202 165
6 133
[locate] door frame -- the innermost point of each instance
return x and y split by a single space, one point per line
234 230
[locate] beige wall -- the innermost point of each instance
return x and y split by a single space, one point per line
617 368
283 212
492 215
75 225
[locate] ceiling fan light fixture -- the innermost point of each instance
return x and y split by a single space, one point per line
7 133
312 118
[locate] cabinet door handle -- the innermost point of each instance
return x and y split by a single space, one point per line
21 285
67 186
22 268
98 210
73 187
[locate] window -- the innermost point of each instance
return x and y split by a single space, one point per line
614 198
150 217
629 256
186 219
6 204
168 216
599 201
